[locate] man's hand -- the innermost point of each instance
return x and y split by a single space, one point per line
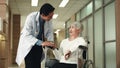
49 44
67 55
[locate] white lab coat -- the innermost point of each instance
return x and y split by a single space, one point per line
29 33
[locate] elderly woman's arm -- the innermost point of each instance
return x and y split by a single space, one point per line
56 54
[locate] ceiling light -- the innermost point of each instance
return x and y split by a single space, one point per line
63 3
34 2
55 16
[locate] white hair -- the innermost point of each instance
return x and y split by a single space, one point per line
78 25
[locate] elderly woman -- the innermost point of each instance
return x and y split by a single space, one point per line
67 53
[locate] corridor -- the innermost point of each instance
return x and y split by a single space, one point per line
100 19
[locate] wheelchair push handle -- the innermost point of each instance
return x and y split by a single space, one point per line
82 47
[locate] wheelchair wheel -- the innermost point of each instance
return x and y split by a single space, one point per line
88 64
50 63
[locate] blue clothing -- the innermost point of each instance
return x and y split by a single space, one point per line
41 32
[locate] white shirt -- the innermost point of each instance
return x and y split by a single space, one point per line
73 45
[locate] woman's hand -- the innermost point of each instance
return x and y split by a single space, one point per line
67 55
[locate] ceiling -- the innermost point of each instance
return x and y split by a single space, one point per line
23 7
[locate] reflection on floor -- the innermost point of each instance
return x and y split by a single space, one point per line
15 66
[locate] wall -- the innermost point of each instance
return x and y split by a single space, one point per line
5 53
117 8
16 34
60 36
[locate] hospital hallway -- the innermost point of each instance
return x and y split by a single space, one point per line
100 18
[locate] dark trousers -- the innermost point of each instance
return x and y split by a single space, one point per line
64 65
33 59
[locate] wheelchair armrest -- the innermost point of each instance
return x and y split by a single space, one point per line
83 47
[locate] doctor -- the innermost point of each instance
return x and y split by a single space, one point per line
37 33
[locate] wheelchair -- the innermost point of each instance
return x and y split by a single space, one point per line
50 63
86 63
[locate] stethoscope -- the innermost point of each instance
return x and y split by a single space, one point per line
37 25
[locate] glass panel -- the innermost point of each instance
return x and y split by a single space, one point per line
84 33
110 33
98 40
106 1
78 16
89 8
98 4
83 12
90 38
110 51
